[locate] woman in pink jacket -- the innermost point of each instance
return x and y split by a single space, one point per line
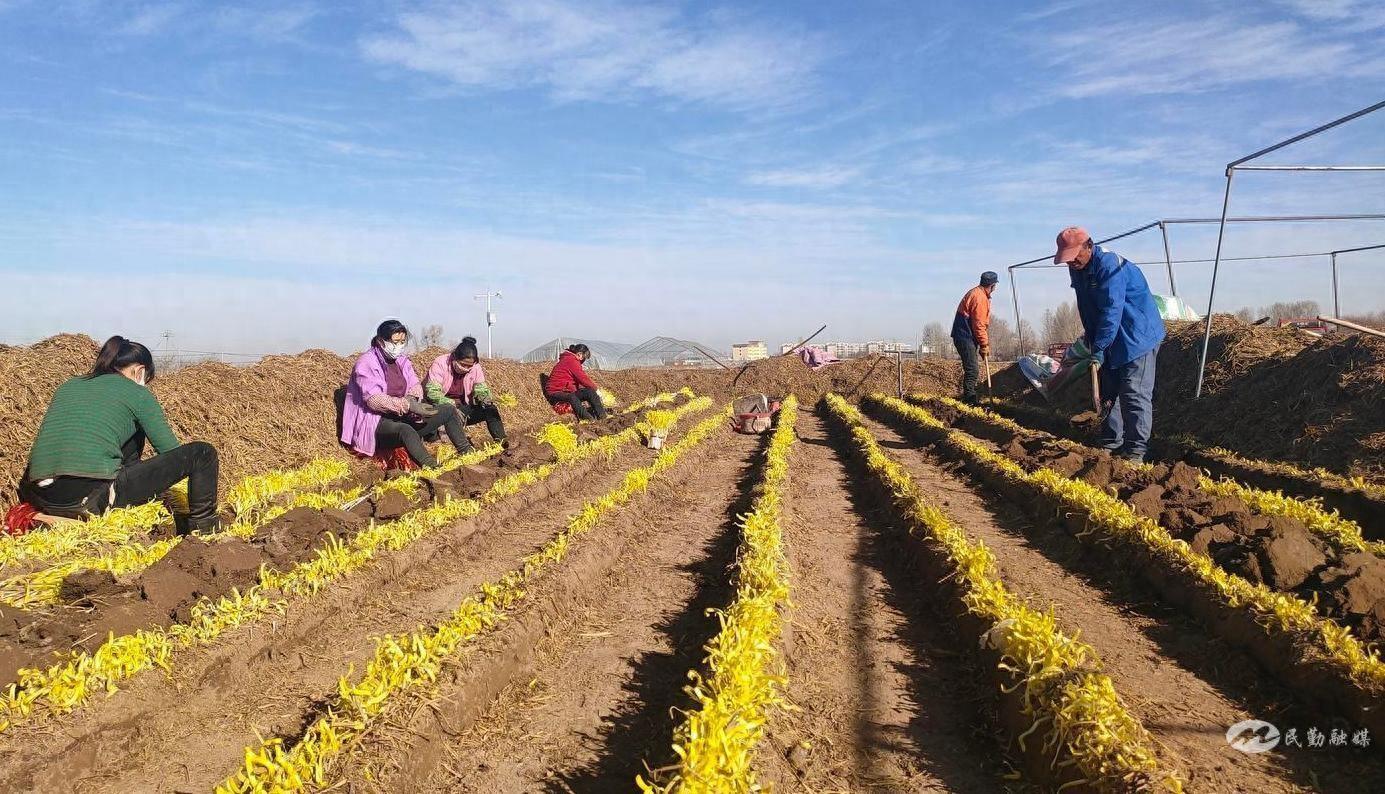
384 406
456 379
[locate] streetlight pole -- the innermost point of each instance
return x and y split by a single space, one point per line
490 316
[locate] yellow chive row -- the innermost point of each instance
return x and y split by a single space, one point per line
1107 515
658 399
1074 705
67 684
44 586
122 524
1316 473
407 661
1341 532
716 742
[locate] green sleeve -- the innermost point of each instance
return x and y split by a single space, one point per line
150 416
433 391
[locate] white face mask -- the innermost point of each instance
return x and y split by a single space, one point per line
393 349
143 380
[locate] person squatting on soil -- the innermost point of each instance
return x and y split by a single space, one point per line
457 379
970 332
1122 328
87 455
569 383
384 406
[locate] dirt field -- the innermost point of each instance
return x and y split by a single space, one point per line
947 601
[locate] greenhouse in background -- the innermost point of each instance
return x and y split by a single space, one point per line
661 351
604 354
664 351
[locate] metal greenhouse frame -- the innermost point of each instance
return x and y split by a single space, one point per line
1240 165
1168 261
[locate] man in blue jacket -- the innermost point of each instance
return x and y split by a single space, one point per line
1123 329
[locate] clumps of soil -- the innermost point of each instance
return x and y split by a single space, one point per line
196 569
1279 552
1324 397
297 534
523 453
467 482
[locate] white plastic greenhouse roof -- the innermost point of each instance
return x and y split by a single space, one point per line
605 355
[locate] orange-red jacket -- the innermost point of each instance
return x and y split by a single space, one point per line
973 318
568 375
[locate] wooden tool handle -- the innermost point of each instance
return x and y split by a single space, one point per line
1096 390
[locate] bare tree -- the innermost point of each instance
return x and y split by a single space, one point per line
1280 311
1003 341
1030 337
1371 320
430 336
1062 324
935 336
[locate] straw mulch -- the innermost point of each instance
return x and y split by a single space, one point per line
279 412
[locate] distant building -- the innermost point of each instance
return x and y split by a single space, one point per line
753 350
872 348
858 349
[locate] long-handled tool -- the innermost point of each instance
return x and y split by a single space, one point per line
1096 390
986 357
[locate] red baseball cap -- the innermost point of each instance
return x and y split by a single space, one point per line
1070 241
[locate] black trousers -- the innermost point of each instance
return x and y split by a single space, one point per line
400 432
136 482
971 368
576 400
476 414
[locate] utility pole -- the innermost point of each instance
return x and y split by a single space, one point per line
490 315
168 355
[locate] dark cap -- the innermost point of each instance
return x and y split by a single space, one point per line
988 278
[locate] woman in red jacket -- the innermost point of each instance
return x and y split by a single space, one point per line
569 383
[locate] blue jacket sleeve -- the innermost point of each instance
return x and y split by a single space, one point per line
1109 300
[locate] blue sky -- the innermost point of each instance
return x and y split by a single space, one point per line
274 176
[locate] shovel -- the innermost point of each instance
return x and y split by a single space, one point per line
987 358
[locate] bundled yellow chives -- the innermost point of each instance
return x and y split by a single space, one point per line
1073 704
67 684
1273 610
406 661
716 742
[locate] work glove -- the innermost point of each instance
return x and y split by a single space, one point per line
985 350
421 409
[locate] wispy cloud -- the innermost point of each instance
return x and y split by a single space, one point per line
266 25
603 51
823 177
151 19
1165 56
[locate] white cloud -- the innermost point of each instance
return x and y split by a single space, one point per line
152 19
604 50
1154 56
268 25
822 177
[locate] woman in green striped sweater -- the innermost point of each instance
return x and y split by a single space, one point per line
86 457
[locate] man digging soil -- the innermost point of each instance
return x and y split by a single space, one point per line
1122 329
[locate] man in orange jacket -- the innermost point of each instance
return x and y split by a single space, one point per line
970 332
